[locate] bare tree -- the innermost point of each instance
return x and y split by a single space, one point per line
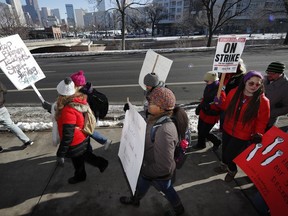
155 13
220 12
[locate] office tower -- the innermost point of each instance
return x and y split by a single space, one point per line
56 13
79 13
70 15
32 8
17 10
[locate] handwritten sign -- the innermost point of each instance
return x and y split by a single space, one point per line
228 54
157 64
17 62
131 150
266 164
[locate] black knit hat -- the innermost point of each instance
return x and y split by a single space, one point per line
276 67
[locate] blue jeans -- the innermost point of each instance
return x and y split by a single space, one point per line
164 186
5 120
98 137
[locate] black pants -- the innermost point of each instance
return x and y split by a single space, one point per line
89 157
231 148
204 133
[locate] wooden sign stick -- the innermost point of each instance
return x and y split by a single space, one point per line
221 85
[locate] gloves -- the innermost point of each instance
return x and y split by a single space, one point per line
47 106
126 107
256 138
60 161
197 110
217 101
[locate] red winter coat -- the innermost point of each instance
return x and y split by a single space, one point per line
256 125
75 121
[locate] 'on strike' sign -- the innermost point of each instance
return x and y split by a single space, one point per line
17 62
228 54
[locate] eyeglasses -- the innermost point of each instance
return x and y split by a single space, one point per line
254 83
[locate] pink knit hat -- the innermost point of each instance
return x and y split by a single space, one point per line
163 97
78 78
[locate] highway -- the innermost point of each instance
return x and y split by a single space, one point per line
117 75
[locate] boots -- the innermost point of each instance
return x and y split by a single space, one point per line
222 168
130 201
230 176
177 210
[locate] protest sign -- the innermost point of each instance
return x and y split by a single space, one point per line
157 64
131 150
228 53
266 164
18 64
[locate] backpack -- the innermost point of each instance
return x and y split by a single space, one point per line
98 102
89 122
182 145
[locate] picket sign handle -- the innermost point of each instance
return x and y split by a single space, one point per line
37 92
155 63
221 84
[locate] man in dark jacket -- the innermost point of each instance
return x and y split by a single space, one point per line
6 121
276 88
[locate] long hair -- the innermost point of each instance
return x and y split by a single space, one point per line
62 101
252 108
181 120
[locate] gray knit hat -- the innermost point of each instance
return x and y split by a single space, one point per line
151 79
276 67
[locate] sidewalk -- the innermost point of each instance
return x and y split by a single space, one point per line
32 184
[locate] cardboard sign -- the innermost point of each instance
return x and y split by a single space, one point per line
157 64
17 62
131 150
266 164
228 54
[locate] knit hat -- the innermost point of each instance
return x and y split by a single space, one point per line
66 87
211 76
276 67
252 74
163 97
78 78
151 79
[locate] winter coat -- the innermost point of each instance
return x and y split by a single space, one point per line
158 161
276 92
70 125
256 125
208 111
231 81
3 91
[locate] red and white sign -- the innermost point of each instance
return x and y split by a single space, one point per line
266 164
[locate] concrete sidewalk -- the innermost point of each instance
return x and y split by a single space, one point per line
32 184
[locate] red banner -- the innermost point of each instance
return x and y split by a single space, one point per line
266 164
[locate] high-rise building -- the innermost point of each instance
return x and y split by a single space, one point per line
32 8
70 15
17 10
79 13
56 13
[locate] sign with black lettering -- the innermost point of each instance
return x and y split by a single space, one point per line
17 62
228 53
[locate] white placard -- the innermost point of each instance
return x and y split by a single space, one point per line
156 63
17 62
228 53
131 150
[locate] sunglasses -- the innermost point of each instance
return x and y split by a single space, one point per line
257 84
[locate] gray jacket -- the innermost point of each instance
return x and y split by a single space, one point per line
158 162
277 93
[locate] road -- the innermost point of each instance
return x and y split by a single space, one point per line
117 75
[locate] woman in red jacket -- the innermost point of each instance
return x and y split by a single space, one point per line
247 113
74 143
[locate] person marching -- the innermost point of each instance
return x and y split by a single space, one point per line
208 112
158 165
247 112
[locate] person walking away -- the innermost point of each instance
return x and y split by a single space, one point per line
276 88
158 165
6 121
247 113
208 112
74 143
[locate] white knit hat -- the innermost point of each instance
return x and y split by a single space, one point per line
211 76
66 87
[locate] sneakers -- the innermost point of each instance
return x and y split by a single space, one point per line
1 149
74 180
129 201
107 144
29 143
230 176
